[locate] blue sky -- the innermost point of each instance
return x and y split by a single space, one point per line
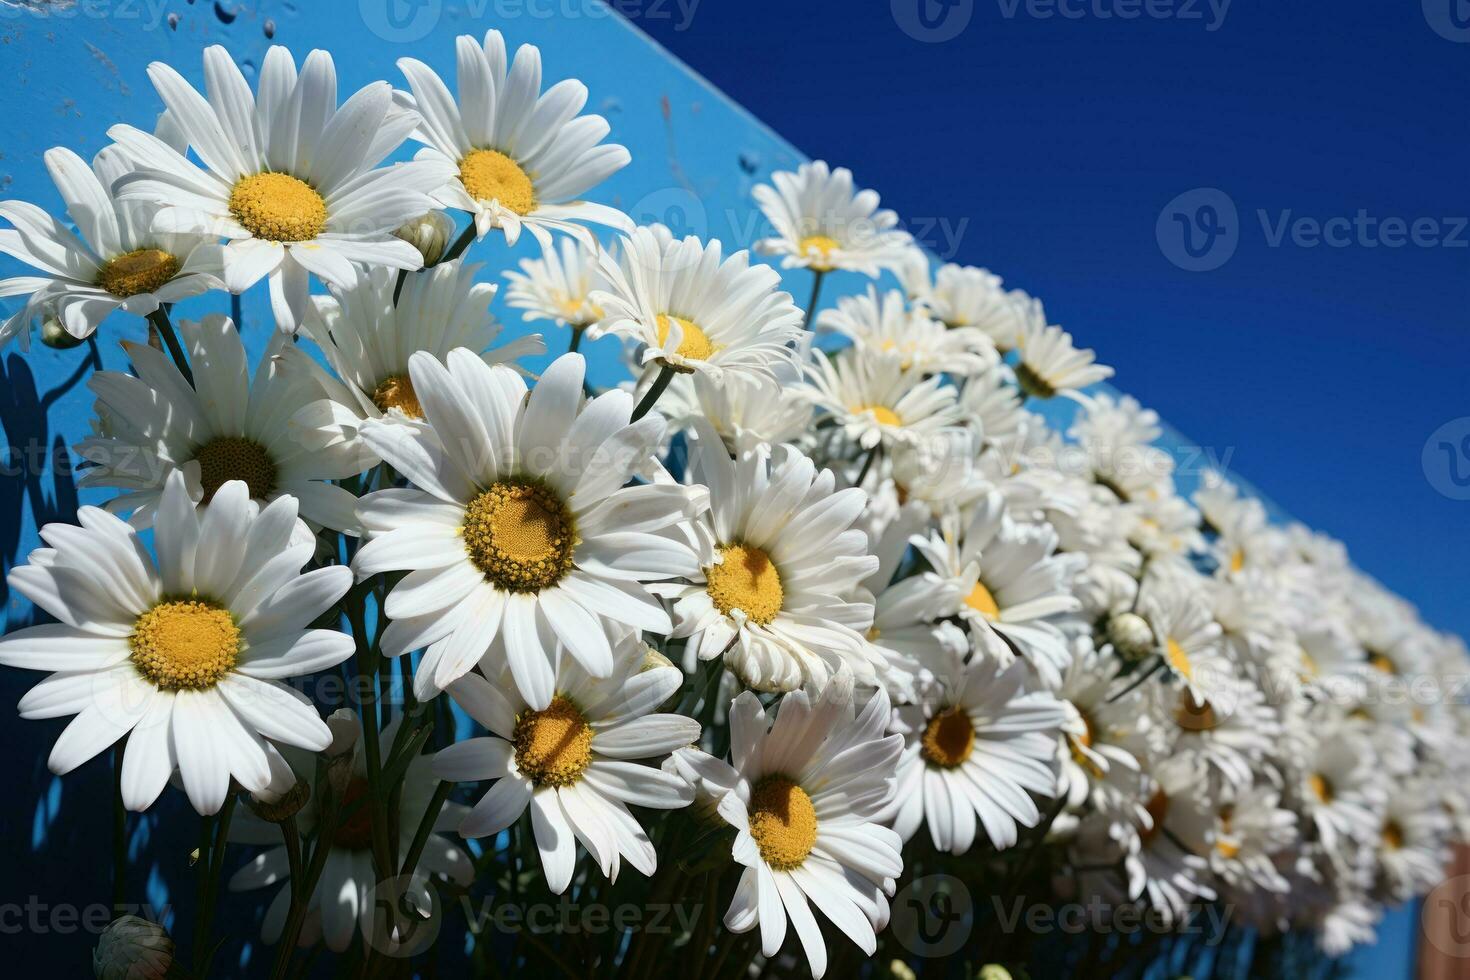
1046 147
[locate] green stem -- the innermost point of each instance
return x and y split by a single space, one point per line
868 463
302 889
456 249
211 896
426 827
164 326
372 751
811 305
665 375
576 339
119 831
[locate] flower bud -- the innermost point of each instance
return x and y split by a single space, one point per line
653 660
54 335
429 234
993 971
1131 635
131 948
282 807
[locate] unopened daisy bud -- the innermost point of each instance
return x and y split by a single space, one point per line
1131 635
429 234
131 948
993 971
653 660
54 335
283 807
900 970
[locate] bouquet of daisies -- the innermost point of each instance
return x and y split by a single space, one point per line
819 606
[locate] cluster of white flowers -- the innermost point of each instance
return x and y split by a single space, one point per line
830 585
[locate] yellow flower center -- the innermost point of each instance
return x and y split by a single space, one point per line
818 251
520 535
396 391
139 271
1158 810
226 458
694 345
882 414
745 579
783 822
1237 559
948 739
1320 786
490 175
983 602
1393 836
554 746
1225 844
278 207
185 644
1178 659
355 833
1381 663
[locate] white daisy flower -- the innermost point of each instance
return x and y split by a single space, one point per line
992 404
1413 841
876 400
885 325
520 522
558 286
183 654
1224 727
809 788
116 262
975 748
748 412
1048 365
692 309
573 762
1341 790
342 904
232 427
777 595
1013 586
1172 877
1108 729
1177 609
823 223
1242 837
515 156
367 337
288 177
966 298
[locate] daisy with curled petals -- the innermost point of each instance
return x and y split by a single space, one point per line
1107 728
232 427
1048 365
1013 587
1177 608
887 326
809 788
288 177
575 761
366 338
823 223
877 400
116 262
519 523
976 746
183 654
694 310
966 298
782 558
515 156
558 286
343 903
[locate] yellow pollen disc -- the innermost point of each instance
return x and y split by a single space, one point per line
490 175
882 414
1178 659
1158 810
278 207
1085 737
1227 848
1321 788
185 644
1224 844
226 458
783 822
746 579
1393 836
1193 715
1033 383
1237 560
140 271
818 251
520 535
1382 664
396 391
554 746
694 345
948 739
983 602
356 830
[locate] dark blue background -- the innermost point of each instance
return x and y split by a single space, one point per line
1058 142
